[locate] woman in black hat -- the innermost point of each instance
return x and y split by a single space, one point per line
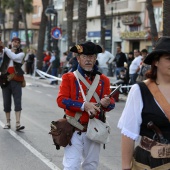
147 114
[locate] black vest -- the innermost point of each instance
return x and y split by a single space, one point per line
5 63
152 112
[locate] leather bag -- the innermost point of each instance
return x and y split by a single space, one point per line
61 132
3 80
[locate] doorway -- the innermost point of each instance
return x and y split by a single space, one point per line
135 45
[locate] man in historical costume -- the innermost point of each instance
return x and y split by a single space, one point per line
96 88
12 80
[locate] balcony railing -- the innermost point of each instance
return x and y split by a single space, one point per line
125 6
121 7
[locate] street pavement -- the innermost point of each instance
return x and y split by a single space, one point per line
111 155
34 149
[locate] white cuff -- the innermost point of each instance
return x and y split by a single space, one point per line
82 107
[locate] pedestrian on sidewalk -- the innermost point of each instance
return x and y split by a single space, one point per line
135 66
146 114
70 98
13 79
55 64
120 59
104 59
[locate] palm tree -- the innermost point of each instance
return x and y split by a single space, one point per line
2 12
82 20
15 6
107 1
41 36
69 9
26 6
166 18
154 33
16 15
103 20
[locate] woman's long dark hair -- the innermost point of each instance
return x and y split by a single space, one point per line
152 73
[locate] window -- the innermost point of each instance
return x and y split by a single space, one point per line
133 28
158 17
89 3
11 16
35 9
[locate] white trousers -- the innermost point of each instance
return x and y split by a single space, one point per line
82 151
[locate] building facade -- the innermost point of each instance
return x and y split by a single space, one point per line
127 23
32 27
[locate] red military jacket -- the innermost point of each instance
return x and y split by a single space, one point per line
70 97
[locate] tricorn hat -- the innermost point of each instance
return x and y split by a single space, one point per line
162 47
87 48
16 39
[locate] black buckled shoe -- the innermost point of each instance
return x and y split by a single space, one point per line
19 127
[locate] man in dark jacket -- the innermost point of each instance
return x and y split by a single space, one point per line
55 64
120 58
73 63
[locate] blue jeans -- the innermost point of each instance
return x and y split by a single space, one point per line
118 69
13 89
133 78
54 72
103 70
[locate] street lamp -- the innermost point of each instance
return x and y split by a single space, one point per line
111 33
50 11
110 73
118 24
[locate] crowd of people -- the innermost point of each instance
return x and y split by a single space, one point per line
127 68
145 114
84 70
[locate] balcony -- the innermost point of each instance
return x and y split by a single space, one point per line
152 1
124 7
121 7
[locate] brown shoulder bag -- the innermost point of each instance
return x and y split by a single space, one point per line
61 132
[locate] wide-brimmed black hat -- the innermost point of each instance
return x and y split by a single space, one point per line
87 48
162 47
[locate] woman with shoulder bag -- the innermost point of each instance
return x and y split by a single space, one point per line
147 115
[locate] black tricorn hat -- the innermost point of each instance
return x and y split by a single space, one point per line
162 47
87 48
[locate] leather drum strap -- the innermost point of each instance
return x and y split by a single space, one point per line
159 97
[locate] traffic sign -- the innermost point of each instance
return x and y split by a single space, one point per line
14 34
56 33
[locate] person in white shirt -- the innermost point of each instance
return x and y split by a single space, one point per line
11 81
104 59
135 67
